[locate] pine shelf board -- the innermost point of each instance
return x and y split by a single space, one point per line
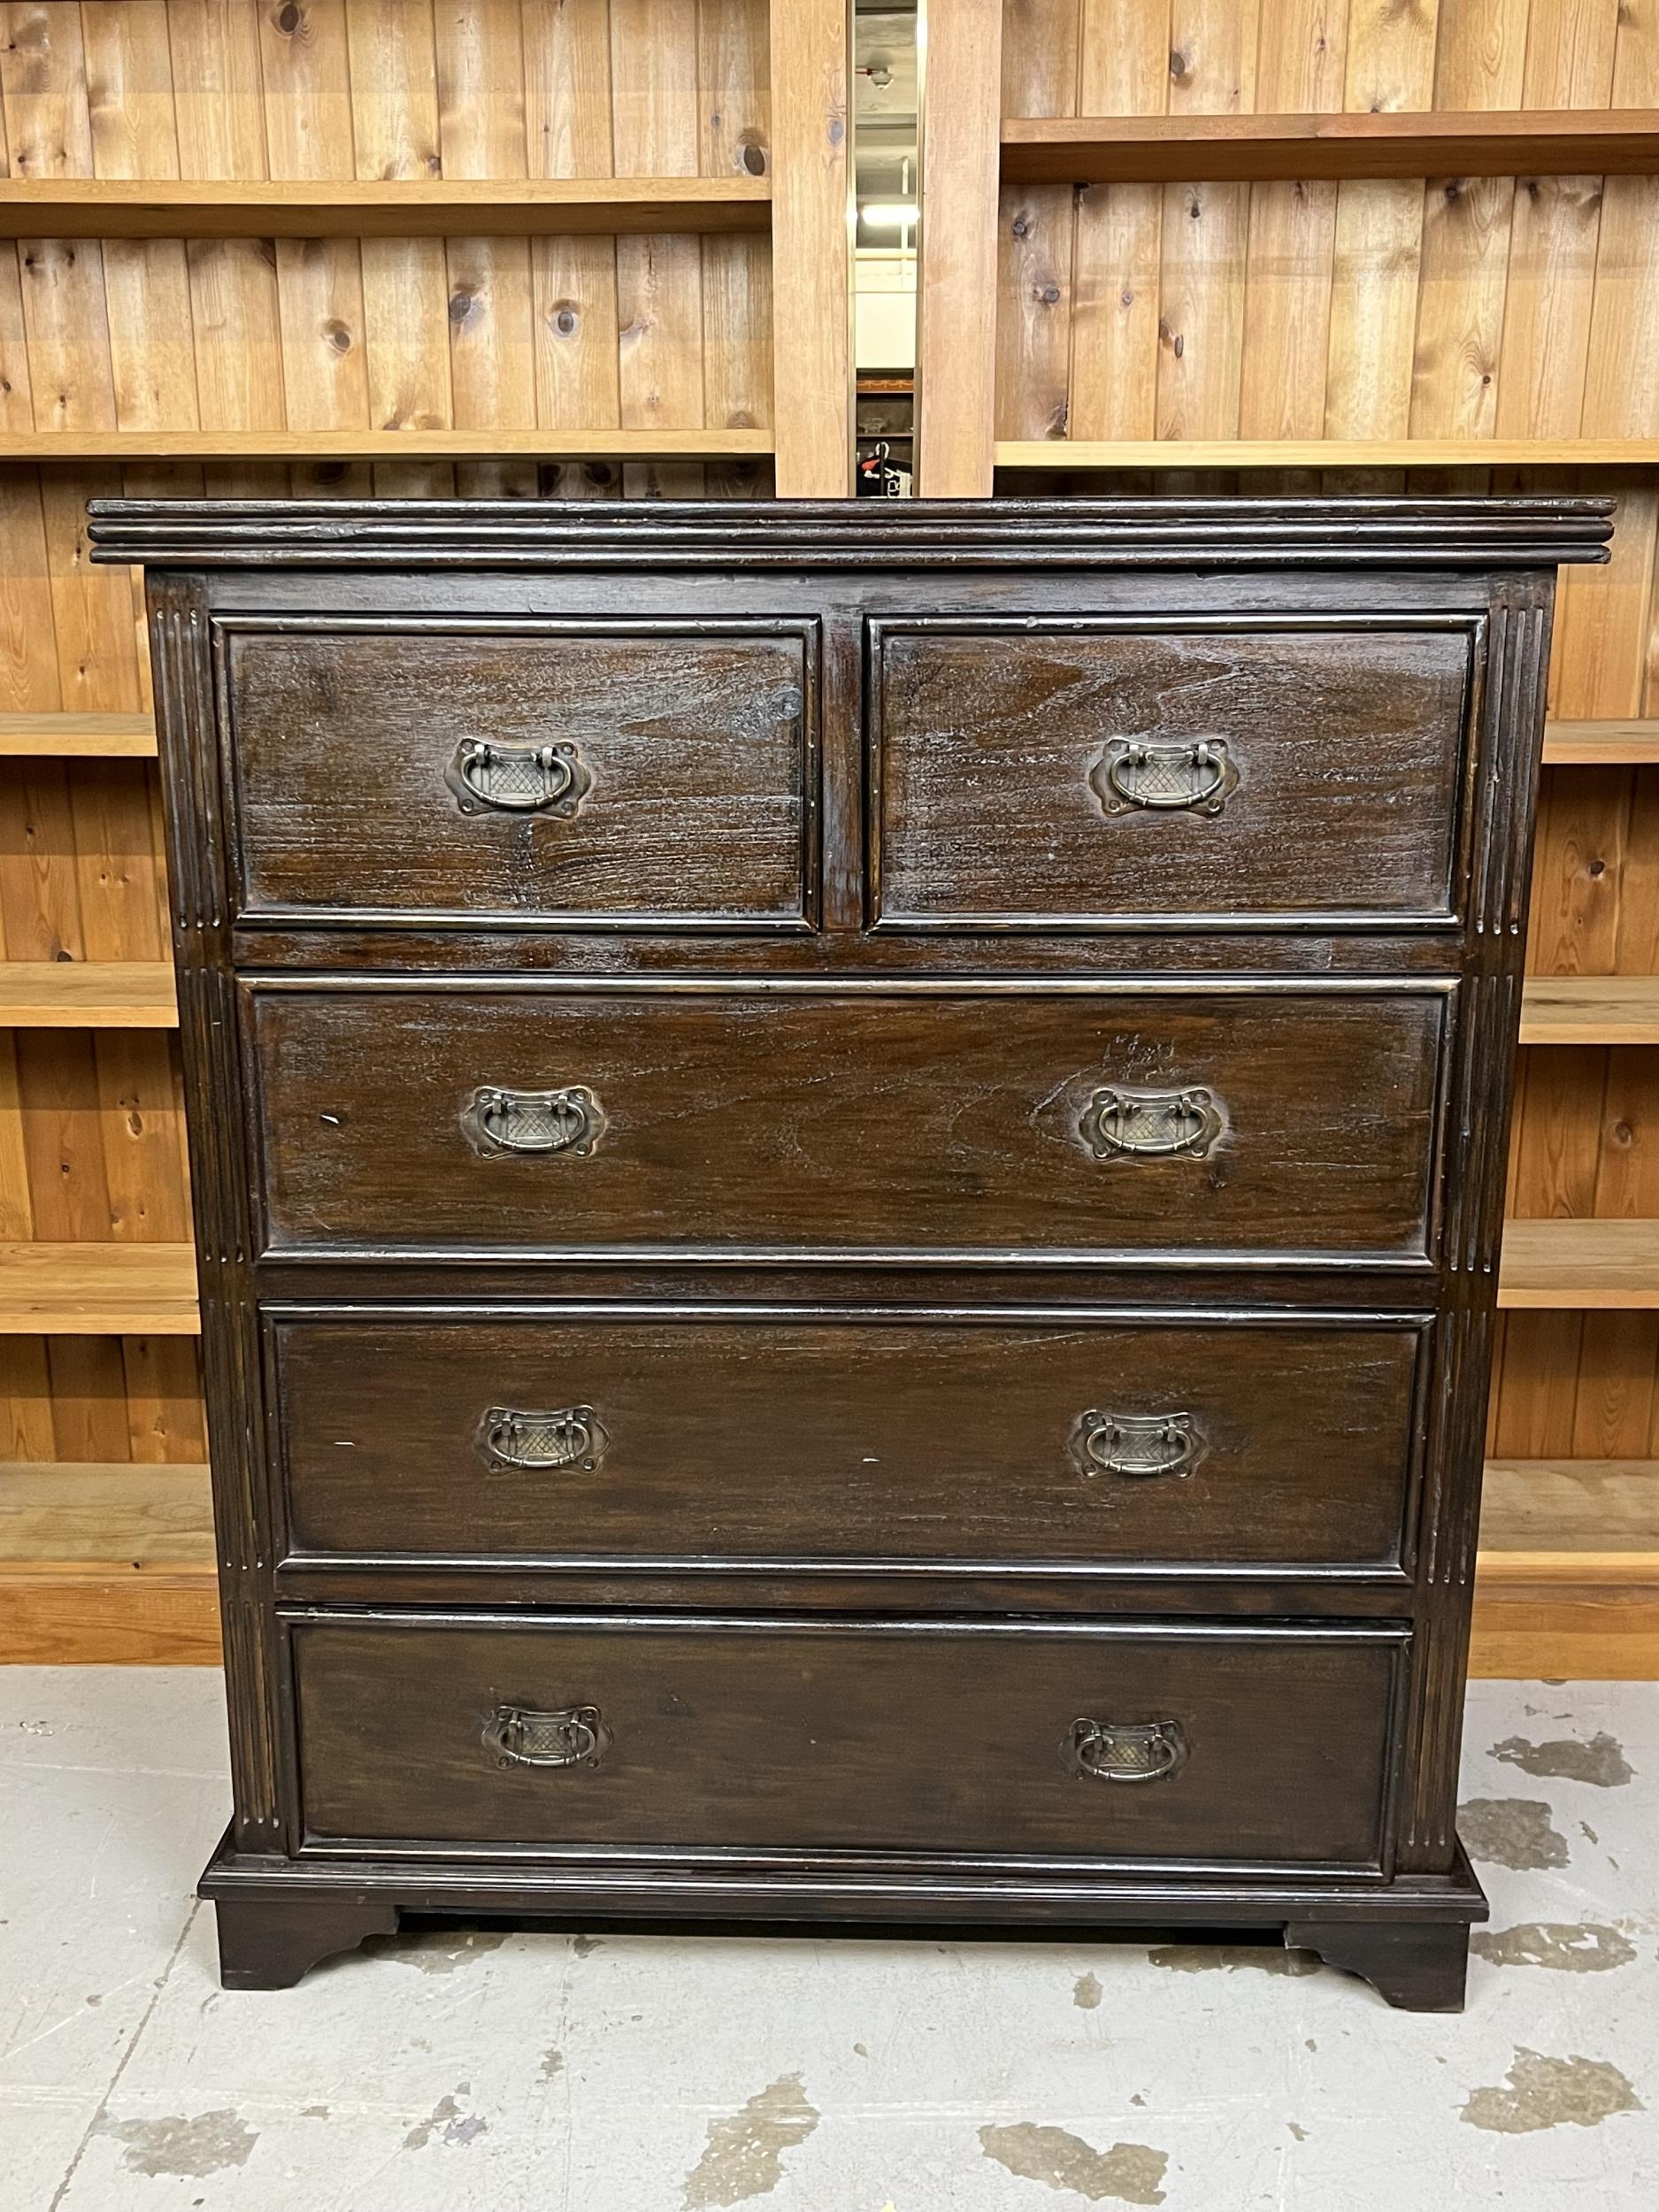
98 1290
79 736
83 207
1579 1265
1594 1009
121 1516
1571 1520
88 995
1325 453
383 445
1239 148
1600 744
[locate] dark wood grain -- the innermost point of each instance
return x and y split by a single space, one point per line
830 1122
851 1736
699 748
779 1439
1347 741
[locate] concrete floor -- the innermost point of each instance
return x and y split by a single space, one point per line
542 2073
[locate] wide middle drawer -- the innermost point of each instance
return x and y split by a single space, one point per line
1089 1437
834 1121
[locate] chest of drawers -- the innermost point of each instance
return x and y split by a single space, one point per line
848 1168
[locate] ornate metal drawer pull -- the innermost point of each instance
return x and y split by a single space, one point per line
570 1120
520 1738
1152 1125
487 778
1125 1750
1135 1443
1196 778
571 1437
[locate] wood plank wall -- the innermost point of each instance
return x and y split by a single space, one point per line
1433 308
225 334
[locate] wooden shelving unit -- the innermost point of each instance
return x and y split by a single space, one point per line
1325 453
1567 1577
1581 1265
384 445
86 207
1608 744
98 1290
1605 1010
1251 148
88 995
106 1562
78 736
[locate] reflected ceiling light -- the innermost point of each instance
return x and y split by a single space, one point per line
888 214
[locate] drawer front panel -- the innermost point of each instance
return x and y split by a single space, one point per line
594 776
1229 1746
838 1123
1079 774
707 1441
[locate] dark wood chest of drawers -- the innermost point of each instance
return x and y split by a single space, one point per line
849 1167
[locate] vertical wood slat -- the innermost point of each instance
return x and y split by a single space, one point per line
811 248
962 92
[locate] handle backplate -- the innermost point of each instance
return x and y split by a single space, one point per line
571 1436
1133 776
1136 1444
498 1121
491 778
521 1737
1145 1125
1125 1750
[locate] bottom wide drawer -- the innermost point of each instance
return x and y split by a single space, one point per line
1093 1740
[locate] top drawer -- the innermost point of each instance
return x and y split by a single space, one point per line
596 775
1080 773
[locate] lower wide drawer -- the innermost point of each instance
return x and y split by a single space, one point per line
1143 1742
1087 1438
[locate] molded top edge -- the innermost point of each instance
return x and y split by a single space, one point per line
1072 533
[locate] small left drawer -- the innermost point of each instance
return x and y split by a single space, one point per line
538 775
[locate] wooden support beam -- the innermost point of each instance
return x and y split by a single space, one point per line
955 372
1189 149
812 250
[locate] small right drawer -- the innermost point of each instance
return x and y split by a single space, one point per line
1082 774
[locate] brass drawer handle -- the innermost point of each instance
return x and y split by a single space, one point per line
487 778
1152 1125
498 1121
520 1737
1125 1750
1197 778
510 1436
1135 1443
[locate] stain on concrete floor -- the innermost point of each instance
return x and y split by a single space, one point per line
1234 1958
192 2148
1128 2173
743 2156
1577 1946
1601 1762
1514 1831
1552 2093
